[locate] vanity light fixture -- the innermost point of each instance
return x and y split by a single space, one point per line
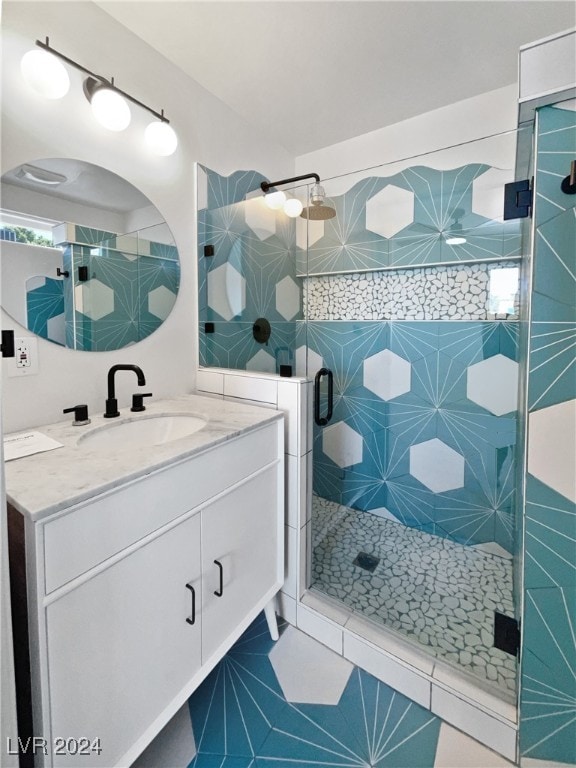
43 71
293 207
275 200
108 106
45 74
317 209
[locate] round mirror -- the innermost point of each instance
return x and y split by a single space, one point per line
87 261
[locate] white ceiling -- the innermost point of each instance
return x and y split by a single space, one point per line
313 73
86 184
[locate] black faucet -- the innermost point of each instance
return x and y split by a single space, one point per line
112 403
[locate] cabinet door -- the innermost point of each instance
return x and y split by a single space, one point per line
120 648
239 556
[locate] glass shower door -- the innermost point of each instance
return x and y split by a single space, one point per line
414 473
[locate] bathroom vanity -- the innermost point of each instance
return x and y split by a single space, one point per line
146 555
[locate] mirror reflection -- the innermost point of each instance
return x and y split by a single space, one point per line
87 261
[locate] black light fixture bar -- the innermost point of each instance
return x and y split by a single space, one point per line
108 83
265 186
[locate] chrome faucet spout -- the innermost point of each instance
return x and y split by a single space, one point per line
111 402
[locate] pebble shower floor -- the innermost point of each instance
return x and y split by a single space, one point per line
438 593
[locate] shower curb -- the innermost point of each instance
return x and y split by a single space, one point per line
432 684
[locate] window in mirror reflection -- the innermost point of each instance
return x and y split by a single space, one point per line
19 228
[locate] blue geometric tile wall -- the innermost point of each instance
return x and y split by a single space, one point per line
254 255
44 307
548 692
402 220
251 275
406 219
427 448
126 298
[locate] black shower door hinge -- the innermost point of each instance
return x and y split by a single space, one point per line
518 199
7 345
506 633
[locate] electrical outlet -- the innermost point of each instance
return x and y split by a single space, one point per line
23 354
25 361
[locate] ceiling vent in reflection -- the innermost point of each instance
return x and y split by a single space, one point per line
40 175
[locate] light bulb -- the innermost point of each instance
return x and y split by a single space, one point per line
293 207
455 240
161 138
110 109
275 200
45 74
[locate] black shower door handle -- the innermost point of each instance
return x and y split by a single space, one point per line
323 420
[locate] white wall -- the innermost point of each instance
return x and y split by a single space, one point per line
468 120
47 206
33 128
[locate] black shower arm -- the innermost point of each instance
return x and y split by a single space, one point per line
265 186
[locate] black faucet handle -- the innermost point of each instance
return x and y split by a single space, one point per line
80 414
138 401
111 408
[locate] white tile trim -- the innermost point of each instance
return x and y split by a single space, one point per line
387 666
408 681
491 731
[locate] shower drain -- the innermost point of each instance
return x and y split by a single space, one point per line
366 561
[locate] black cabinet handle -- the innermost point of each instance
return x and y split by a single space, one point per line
192 619
220 591
323 420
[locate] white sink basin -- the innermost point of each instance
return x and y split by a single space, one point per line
142 431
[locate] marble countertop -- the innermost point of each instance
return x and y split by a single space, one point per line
44 483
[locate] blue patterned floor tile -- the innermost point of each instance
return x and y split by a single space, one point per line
393 730
312 734
256 639
222 761
233 710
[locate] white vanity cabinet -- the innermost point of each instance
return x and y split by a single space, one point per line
135 594
237 560
119 648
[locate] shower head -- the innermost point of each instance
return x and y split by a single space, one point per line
318 210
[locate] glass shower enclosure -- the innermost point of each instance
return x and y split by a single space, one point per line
405 309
